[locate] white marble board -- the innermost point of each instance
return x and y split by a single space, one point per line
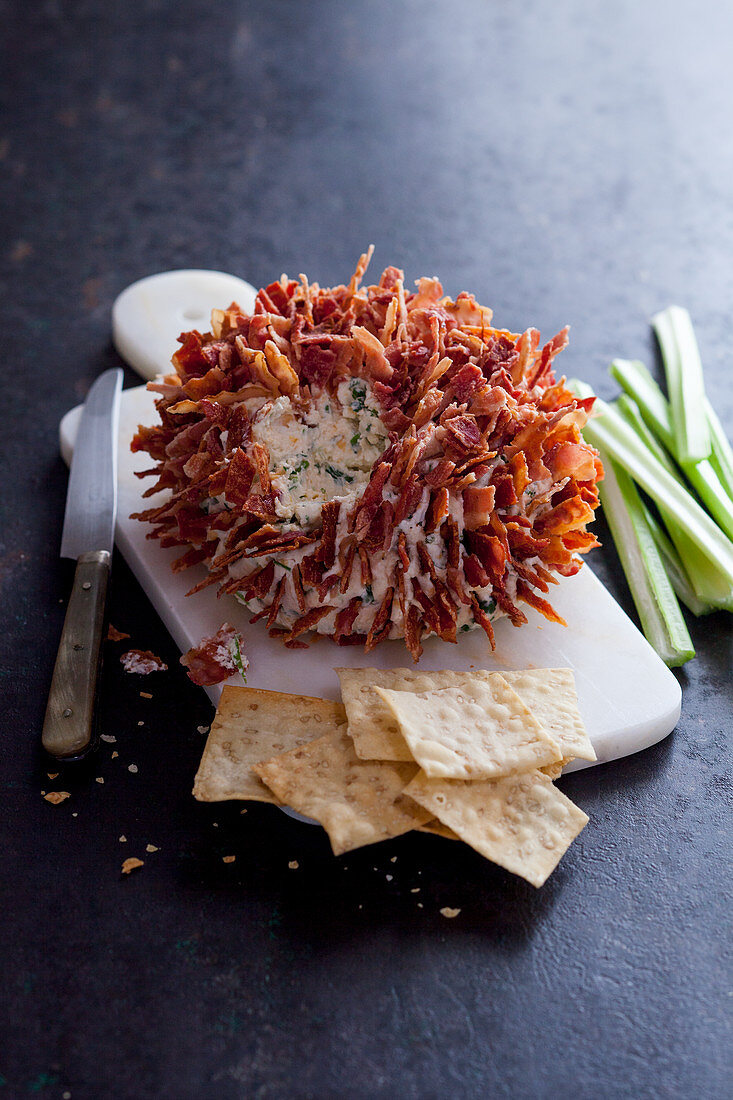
628 697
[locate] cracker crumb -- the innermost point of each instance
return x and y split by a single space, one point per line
393 859
145 695
151 848
202 729
108 738
132 768
389 877
420 905
244 811
57 796
446 911
52 775
141 723
99 779
115 635
293 865
115 754
123 839
415 890
75 814
228 859
131 864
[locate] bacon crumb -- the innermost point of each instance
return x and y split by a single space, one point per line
216 658
142 662
115 635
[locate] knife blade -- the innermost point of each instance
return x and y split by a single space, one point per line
88 537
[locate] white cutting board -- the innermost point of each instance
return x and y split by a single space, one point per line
628 698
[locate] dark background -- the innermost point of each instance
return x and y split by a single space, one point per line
567 162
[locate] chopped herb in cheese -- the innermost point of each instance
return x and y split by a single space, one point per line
321 451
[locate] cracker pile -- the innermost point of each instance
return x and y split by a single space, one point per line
467 755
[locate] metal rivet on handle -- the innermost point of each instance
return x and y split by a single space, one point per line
87 585
67 713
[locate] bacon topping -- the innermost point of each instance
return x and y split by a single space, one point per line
485 459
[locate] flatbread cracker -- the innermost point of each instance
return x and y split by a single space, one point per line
523 822
252 725
477 731
358 802
437 828
548 692
551 696
554 771
372 725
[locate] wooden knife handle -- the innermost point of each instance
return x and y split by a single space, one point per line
67 727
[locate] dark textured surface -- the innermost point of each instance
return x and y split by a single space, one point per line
567 162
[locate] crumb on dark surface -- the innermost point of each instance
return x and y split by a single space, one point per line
142 662
115 635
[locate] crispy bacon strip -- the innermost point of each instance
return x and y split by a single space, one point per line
307 622
329 518
380 620
346 618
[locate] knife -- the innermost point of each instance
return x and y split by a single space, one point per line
88 537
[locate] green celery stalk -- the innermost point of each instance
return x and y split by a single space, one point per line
635 379
722 454
685 385
712 492
631 413
655 410
676 571
710 588
610 431
661 618
638 383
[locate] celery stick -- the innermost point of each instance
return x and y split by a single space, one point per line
676 571
710 589
712 492
685 384
609 430
654 407
722 455
659 611
631 413
635 379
